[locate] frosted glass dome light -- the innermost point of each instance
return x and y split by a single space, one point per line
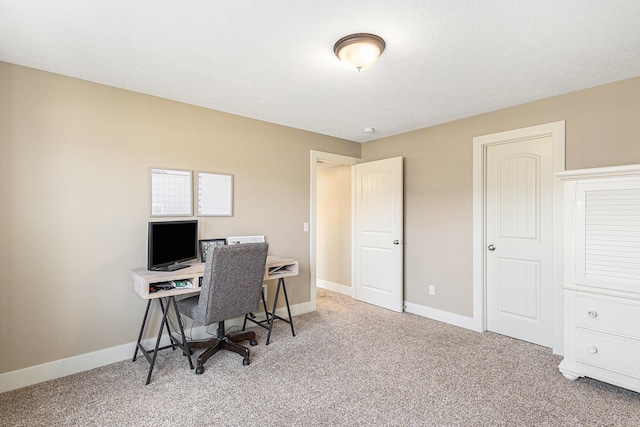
359 50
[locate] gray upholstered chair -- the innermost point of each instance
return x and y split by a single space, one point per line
231 287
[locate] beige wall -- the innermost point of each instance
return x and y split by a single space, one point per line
602 129
333 246
75 158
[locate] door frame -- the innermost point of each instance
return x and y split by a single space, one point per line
339 160
556 130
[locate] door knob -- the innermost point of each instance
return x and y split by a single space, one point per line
491 248
396 242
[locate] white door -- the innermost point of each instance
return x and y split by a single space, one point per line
519 227
379 233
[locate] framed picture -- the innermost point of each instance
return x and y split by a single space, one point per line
171 192
244 239
209 243
215 194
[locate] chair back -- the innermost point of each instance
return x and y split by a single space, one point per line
232 282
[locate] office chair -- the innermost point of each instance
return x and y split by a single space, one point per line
231 287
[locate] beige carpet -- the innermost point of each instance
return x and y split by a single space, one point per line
351 364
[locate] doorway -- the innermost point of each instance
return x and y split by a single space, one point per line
334 227
375 231
518 233
332 167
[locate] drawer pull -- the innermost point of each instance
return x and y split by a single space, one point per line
592 314
592 350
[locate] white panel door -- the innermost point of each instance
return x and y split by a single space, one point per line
379 233
519 227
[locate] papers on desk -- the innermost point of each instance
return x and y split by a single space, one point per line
281 269
168 286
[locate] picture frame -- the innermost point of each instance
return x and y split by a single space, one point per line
237 240
214 194
171 192
206 244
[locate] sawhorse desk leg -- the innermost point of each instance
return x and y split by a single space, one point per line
274 316
270 317
150 355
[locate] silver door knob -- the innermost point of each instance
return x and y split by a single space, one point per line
396 242
491 248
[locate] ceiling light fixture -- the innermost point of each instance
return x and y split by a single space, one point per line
359 50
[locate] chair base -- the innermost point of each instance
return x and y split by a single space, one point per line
224 342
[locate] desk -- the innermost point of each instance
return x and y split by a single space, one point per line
140 279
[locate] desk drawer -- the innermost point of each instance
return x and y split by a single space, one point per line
610 353
608 315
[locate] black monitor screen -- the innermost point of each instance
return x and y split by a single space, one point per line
170 243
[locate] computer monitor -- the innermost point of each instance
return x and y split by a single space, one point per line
171 243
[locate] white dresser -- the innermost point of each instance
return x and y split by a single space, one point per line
602 275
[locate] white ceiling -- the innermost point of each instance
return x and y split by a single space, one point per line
273 60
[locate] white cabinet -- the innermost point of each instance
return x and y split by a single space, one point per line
602 275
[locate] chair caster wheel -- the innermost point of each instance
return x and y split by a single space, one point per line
253 342
199 370
246 361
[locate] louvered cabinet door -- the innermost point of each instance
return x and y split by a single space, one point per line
608 235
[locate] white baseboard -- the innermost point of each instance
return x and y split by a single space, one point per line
442 316
84 362
420 310
63 367
335 287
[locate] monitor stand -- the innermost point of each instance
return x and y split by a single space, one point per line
172 267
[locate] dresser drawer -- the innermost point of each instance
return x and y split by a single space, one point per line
610 353
607 315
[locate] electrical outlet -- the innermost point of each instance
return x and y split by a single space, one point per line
305 226
432 289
